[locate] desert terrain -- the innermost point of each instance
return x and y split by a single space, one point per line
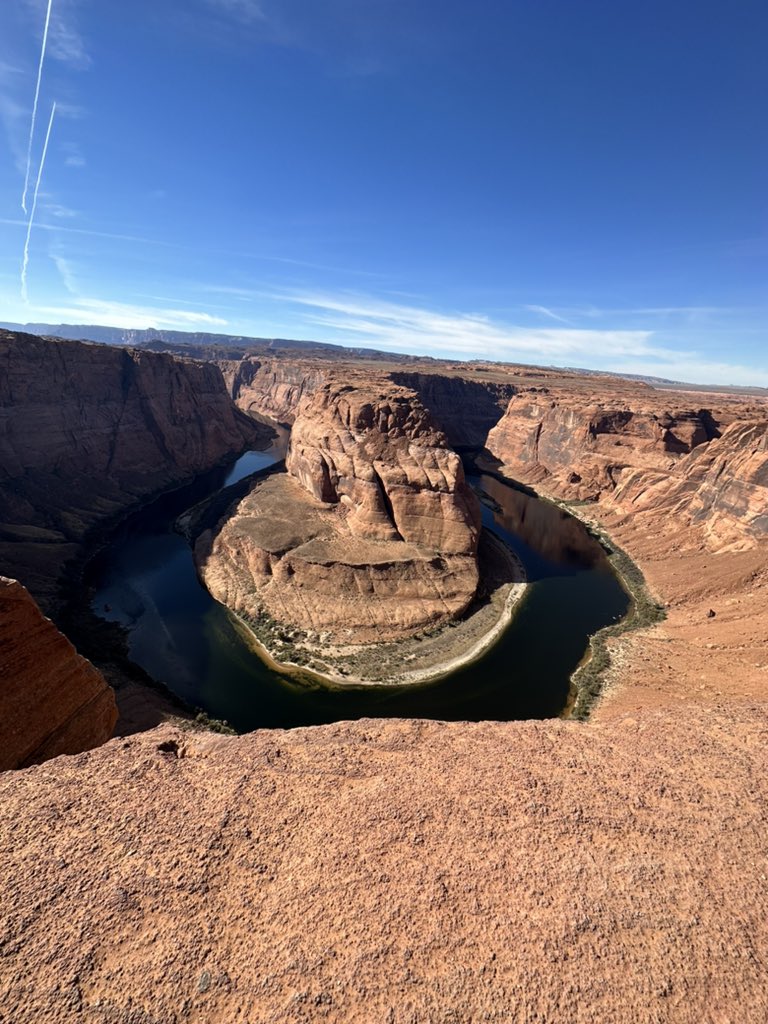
395 870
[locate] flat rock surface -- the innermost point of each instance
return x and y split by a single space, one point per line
284 552
399 871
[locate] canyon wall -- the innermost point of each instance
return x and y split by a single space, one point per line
721 488
87 430
644 453
371 536
271 387
52 701
465 409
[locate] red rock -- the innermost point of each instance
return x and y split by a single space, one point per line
52 701
87 430
379 541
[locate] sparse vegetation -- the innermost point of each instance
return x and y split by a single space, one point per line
587 680
204 721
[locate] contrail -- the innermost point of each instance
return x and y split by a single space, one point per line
34 106
25 261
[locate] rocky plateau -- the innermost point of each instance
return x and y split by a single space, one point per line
372 535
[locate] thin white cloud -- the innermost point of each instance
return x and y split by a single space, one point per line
115 236
404 328
595 312
545 311
73 111
8 71
57 210
262 257
474 335
65 42
11 116
124 315
66 272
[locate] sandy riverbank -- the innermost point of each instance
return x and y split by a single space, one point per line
416 661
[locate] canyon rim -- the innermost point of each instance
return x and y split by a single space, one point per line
391 869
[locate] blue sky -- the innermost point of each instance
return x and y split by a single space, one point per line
560 182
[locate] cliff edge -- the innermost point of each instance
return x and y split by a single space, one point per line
52 701
87 430
394 871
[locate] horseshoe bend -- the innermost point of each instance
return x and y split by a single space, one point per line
601 861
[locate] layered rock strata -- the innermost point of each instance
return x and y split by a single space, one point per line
372 535
52 701
722 488
467 410
379 455
87 430
700 467
271 387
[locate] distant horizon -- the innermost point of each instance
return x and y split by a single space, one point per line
569 184
261 338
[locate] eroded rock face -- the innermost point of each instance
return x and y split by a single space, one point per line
271 387
378 453
86 430
722 488
582 447
684 467
372 536
52 701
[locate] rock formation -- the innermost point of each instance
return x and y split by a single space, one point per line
87 430
272 387
580 447
372 536
399 871
466 410
721 488
378 453
643 454
52 701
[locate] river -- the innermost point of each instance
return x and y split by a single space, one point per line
145 579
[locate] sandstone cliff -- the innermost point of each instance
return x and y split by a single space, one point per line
271 387
86 430
644 454
581 447
52 701
465 409
372 536
721 488
378 453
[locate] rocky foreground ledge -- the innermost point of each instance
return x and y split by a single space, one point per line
400 871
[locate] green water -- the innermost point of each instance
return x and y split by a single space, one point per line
146 580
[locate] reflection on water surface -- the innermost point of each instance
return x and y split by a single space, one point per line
146 580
